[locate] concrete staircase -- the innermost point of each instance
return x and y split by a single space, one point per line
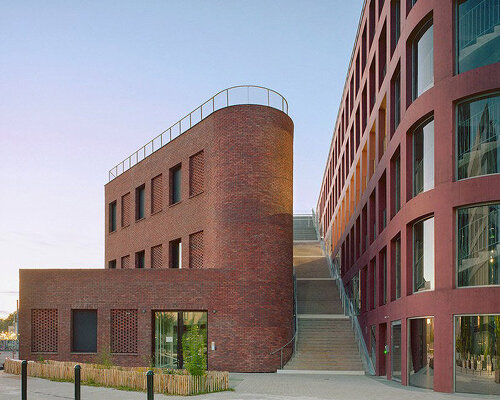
303 228
326 343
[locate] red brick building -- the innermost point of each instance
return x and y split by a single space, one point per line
410 198
198 230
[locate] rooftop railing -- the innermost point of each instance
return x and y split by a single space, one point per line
242 94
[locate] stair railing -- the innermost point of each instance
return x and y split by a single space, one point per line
349 311
295 336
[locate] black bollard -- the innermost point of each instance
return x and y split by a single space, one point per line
150 376
24 380
77 382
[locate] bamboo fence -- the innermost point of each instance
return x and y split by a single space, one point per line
177 382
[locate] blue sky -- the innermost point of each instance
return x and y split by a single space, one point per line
85 83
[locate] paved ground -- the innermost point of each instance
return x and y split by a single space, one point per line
247 387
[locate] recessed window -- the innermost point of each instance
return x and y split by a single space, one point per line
126 210
383 276
478 38
478 137
156 257
112 216
396 267
175 184
112 264
140 259
396 184
423 158
176 253
84 333
478 239
395 23
396 99
421 352
140 202
423 60
423 255
156 194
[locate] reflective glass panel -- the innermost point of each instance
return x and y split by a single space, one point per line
421 352
396 351
423 255
477 350
478 245
423 158
478 33
423 62
478 131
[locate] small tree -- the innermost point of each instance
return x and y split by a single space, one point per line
193 351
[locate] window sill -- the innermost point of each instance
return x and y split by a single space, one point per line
125 354
197 194
157 212
83 353
174 204
110 233
140 219
41 352
125 226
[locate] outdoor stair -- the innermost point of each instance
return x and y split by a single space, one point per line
326 342
303 228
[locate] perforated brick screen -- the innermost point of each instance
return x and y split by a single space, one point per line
196 250
156 257
44 330
126 209
156 194
196 173
126 262
124 331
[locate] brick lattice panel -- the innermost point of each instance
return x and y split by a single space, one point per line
156 256
124 331
156 194
44 333
126 209
126 262
196 250
196 173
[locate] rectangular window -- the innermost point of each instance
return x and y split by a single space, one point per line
44 330
112 216
396 97
477 354
382 56
383 276
140 202
196 173
423 60
140 259
84 333
156 194
175 184
373 264
196 250
478 136
396 184
423 158
396 265
355 293
478 39
124 331
125 262
156 257
395 23
112 264
423 255
421 352
126 210
478 239
396 351
176 253
373 345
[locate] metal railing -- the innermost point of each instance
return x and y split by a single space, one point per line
295 323
477 22
235 95
349 309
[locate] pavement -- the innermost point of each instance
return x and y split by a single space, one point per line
246 387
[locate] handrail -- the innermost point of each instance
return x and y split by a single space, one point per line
349 311
296 327
222 99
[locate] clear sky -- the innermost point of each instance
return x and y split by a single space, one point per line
85 83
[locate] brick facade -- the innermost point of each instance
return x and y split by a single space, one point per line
234 221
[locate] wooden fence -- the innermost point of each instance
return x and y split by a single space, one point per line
177 382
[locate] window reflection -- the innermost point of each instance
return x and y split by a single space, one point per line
423 61
477 349
421 354
478 128
423 255
423 158
478 245
478 33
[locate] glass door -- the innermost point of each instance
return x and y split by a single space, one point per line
396 351
166 339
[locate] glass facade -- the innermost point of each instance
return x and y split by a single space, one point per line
423 158
478 130
354 292
477 350
373 345
421 352
478 33
112 216
423 255
423 60
478 245
396 351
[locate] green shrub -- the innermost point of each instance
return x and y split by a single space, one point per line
105 358
193 351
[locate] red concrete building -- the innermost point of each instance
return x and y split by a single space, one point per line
410 200
198 230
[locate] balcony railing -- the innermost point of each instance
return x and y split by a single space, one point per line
242 94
